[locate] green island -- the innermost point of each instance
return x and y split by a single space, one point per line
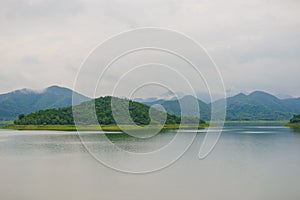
294 122
62 119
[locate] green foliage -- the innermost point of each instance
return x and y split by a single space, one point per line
295 119
139 113
253 107
257 106
21 116
49 116
26 101
185 107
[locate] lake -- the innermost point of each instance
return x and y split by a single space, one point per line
250 161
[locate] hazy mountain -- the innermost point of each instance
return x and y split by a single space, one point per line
26 101
293 104
187 106
255 106
168 96
284 96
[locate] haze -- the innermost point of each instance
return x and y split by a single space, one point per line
255 43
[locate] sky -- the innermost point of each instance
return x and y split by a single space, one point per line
255 44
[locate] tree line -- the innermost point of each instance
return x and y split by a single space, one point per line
138 113
295 119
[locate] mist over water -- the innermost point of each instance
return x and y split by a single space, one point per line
251 161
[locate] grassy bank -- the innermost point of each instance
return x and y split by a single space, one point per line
129 127
257 122
96 127
6 122
293 125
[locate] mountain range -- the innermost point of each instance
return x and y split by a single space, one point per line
255 106
25 101
241 107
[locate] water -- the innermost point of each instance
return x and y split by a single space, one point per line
251 161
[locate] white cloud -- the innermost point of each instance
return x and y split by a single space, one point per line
256 43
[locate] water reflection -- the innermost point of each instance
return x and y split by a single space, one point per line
295 130
250 161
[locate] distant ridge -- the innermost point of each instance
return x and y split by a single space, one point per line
188 102
25 101
258 105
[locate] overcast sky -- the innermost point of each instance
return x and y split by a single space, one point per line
255 43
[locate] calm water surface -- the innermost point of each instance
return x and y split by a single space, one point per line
251 161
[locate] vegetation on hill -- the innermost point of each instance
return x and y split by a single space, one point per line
295 119
257 106
26 101
294 122
139 113
185 107
253 107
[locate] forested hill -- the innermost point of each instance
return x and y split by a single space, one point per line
138 112
255 106
26 101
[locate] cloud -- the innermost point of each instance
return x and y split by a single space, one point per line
256 43
39 9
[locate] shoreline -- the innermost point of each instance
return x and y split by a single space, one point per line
293 125
258 122
97 127
130 127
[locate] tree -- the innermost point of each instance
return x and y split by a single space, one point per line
21 116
